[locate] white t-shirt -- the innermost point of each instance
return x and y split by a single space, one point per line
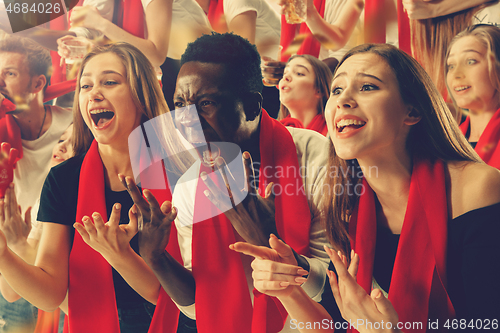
32 169
188 20
268 26
488 15
312 152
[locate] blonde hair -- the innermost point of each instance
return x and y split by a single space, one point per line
322 80
146 95
489 36
435 136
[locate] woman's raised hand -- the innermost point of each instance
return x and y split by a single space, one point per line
355 305
275 270
111 239
15 228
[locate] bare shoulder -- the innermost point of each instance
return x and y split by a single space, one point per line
472 186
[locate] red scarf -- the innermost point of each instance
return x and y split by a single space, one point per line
404 34
420 263
9 130
487 147
318 124
289 31
91 288
223 302
131 17
374 21
216 16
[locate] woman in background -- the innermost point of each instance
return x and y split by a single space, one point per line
304 91
472 77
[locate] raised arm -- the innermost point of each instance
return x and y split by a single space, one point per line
423 9
335 35
158 17
44 284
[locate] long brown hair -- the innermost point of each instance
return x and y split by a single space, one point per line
322 81
147 97
435 136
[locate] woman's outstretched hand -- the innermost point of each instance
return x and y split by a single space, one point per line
354 303
275 269
111 239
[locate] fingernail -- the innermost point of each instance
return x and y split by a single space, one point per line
203 175
206 193
302 271
117 206
284 284
174 210
246 155
300 279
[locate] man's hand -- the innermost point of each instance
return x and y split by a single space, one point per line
253 217
154 222
275 269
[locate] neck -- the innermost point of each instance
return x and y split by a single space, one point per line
116 161
389 177
304 115
478 122
34 121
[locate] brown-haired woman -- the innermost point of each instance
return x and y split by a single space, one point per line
116 92
414 203
304 91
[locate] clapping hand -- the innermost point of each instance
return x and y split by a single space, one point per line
354 303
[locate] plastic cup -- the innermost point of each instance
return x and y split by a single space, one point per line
77 50
295 11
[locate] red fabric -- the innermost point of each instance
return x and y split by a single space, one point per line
375 21
59 89
318 124
420 263
218 271
91 289
48 322
216 16
9 131
404 34
487 147
131 17
288 32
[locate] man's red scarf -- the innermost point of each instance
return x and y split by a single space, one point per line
420 263
9 130
318 124
289 31
223 303
91 288
487 147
